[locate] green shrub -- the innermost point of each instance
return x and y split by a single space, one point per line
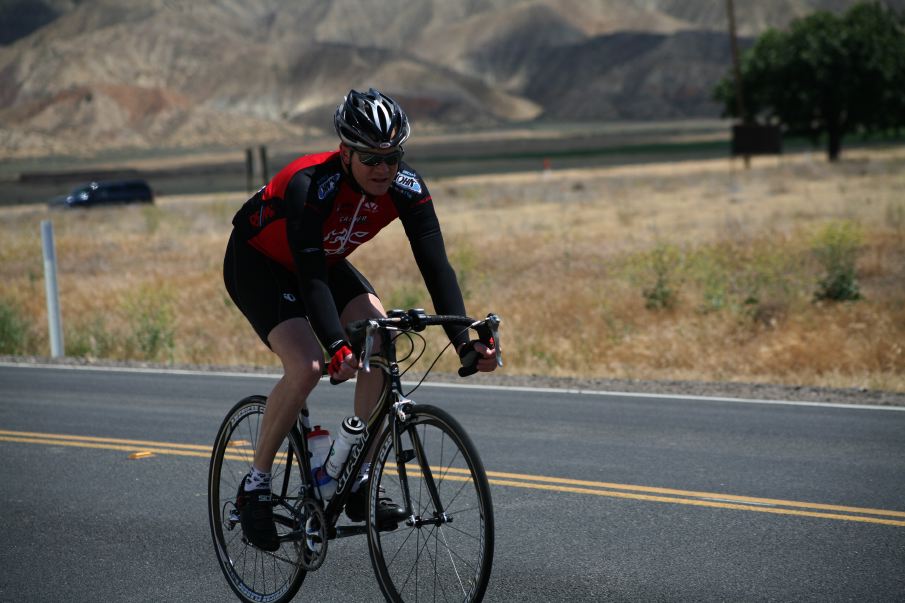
152 324
664 262
14 332
750 279
836 248
91 338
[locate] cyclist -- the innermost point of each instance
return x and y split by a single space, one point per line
286 270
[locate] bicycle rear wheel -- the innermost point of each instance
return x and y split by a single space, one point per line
445 552
254 574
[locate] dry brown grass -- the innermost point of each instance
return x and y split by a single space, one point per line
564 257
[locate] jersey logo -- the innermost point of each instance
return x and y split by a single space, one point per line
339 239
326 185
409 181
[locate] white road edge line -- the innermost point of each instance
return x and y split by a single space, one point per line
501 388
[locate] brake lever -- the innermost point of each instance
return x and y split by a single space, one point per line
493 323
364 361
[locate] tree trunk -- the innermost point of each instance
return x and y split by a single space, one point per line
834 139
834 144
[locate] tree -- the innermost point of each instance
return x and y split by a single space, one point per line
828 74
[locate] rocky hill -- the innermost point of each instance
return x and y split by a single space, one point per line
77 77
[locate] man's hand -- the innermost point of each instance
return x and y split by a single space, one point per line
343 365
477 357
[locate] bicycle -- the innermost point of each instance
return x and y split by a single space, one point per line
424 458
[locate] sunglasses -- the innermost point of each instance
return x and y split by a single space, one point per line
372 159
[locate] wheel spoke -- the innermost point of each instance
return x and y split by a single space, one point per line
251 572
418 547
434 559
450 526
444 560
453 561
409 535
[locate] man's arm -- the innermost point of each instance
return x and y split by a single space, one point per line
304 231
423 230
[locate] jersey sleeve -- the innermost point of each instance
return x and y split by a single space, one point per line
416 211
304 232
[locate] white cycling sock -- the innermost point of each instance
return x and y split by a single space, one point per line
257 480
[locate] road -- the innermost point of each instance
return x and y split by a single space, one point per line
597 497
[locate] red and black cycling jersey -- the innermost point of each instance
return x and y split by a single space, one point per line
311 215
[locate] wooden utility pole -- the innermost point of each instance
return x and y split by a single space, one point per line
736 68
737 73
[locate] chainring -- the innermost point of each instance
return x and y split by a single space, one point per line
314 544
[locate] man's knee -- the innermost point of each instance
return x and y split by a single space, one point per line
303 377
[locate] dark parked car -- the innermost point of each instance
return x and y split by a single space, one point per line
107 193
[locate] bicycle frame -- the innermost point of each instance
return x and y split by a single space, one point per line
393 406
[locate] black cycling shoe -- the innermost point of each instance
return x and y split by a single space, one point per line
389 514
256 511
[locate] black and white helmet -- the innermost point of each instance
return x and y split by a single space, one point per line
371 120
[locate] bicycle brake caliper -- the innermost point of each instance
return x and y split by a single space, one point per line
402 408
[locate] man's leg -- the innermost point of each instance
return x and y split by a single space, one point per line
299 351
368 385
367 389
294 342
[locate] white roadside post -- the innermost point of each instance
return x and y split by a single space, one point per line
54 322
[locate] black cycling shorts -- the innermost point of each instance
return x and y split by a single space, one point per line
268 294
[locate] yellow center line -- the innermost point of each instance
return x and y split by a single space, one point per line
516 480
708 503
103 446
57 436
694 494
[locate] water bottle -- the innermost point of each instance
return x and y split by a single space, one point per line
318 447
351 432
326 485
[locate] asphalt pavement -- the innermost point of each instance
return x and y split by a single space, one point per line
597 497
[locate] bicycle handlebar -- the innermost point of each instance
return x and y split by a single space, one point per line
361 332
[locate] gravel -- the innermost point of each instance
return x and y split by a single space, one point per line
750 391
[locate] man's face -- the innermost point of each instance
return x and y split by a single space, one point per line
374 179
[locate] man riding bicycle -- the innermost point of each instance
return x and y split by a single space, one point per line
286 270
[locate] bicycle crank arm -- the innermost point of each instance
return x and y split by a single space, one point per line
293 536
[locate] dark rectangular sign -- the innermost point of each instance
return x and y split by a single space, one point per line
756 140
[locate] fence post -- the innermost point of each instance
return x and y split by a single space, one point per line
249 170
54 322
265 176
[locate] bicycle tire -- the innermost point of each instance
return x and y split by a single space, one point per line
457 556
254 575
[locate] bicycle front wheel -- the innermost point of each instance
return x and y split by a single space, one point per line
445 550
254 574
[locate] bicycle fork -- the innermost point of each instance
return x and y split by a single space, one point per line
401 415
